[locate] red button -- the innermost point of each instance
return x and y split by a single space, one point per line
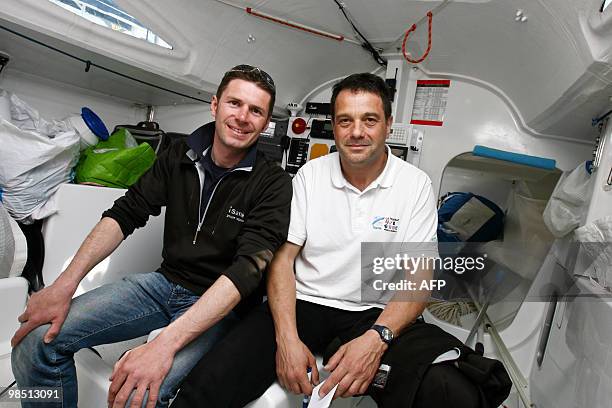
299 126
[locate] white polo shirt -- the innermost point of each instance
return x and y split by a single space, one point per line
330 218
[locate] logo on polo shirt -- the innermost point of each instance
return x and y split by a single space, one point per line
234 214
388 224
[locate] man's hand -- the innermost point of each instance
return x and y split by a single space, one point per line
50 305
354 365
293 359
140 369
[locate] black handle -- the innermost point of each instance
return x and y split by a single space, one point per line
148 125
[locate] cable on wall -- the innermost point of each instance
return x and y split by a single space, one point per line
366 44
292 24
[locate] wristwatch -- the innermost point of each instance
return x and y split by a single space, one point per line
385 333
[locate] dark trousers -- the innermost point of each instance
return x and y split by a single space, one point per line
241 367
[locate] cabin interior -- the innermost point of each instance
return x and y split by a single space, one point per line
507 98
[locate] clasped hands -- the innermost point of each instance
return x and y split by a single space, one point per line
352 367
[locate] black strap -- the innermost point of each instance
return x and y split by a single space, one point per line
7 388
32 271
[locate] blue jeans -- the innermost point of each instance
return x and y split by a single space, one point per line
120 311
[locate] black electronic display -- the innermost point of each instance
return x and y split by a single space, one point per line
322 129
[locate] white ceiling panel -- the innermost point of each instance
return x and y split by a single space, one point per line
535 63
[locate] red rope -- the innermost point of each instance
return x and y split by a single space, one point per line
255 13
411 29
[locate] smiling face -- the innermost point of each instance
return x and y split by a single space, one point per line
360 128
241 114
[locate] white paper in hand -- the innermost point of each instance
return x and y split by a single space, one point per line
318 402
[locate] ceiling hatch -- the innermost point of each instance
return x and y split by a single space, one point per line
108 14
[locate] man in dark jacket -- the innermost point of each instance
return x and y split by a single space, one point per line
227 211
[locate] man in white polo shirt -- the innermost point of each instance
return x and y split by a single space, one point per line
316 301
361 194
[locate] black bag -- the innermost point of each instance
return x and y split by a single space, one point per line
147 132
490 376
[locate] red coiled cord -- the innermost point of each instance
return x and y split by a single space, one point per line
429 16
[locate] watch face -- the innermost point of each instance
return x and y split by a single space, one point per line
387 334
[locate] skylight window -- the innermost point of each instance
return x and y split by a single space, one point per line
605 4
106 13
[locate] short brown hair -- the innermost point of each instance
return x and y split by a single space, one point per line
251 74
364 82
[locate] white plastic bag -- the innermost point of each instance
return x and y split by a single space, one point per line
7 244
596 240
27 118
5 105
13 246
525 236
36 157
566 206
